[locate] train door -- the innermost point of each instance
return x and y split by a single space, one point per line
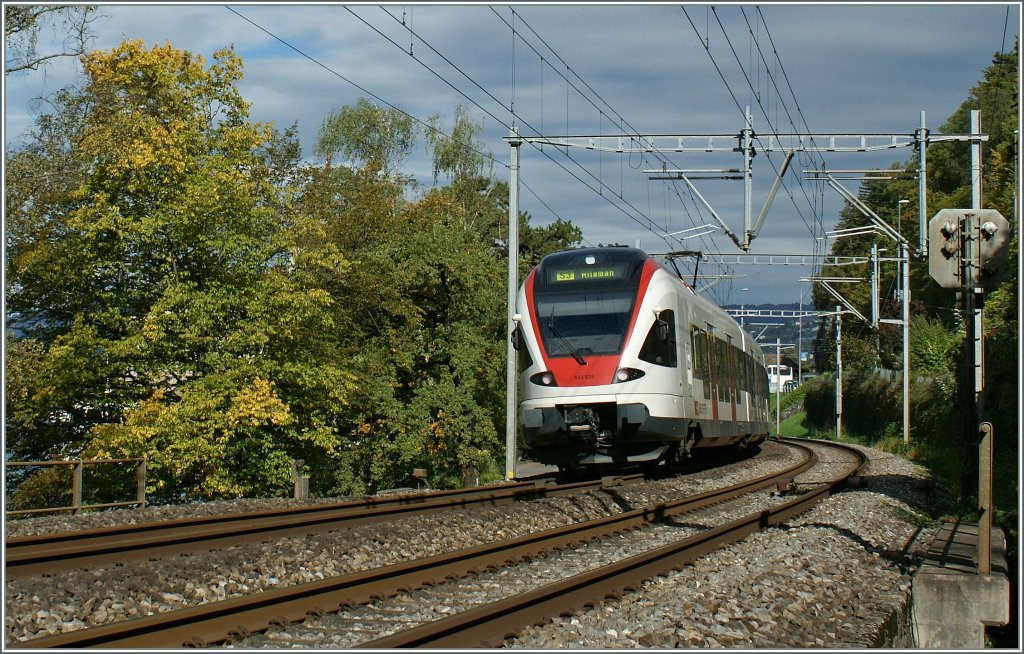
701 370
733 383
714 364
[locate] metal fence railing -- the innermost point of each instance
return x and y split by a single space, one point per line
76 505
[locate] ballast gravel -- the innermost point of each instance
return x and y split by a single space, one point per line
838 575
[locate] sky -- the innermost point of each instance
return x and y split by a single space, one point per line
602 70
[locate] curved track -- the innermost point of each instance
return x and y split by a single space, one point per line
489 625
221 621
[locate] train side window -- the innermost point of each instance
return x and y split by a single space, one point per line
730 357
734 369
660 346
721 370
701 363
748 374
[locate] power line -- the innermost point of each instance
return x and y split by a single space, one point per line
601 184
364 90
623 123
765 113
706 44
629 210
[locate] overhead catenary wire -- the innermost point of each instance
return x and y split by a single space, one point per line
623 123
376 97
597 178
626 207
765 114
816 204
709 245
361 88
475 103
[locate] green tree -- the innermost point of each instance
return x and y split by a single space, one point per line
378 139
458 152
423 306
155 277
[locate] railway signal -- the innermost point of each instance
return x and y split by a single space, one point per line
968 248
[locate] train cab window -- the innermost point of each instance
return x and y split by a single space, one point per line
659 347
519 343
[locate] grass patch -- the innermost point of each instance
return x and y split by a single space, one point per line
793 426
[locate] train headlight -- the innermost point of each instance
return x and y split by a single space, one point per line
543 379
627 374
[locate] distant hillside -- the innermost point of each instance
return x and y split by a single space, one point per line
786 330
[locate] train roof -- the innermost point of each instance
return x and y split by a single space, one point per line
579 256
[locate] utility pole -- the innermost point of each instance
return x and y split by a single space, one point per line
748 178
778 384
905 263
921 141
839 373
511 363
800 342
986 438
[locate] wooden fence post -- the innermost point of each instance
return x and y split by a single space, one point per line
76 488
301 481
140 479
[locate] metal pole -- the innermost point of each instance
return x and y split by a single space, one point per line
748 131
905 264
874 286
778 384
986 450
800 342
922 189
985 445
839 373
511 367
975 159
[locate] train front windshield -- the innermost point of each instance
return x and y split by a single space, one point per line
584 299
593 322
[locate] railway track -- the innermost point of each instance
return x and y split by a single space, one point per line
490 624
236 618
54 553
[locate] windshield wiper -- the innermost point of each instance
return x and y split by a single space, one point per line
575 353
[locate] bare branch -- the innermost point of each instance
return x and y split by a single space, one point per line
22 24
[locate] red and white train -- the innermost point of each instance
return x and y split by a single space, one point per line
622 362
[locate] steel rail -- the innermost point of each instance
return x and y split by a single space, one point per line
491 624
69 550
217 622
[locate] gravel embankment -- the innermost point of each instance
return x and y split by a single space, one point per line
840 570
836 577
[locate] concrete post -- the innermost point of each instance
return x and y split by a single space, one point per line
511 363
